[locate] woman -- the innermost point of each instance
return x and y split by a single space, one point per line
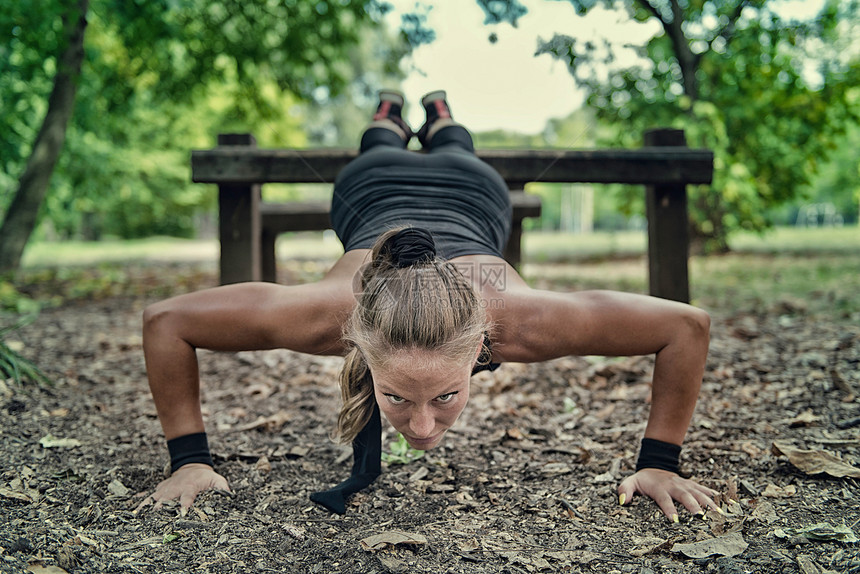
420 300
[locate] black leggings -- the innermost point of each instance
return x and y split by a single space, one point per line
448 190
449 138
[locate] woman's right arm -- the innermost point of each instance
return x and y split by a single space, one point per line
242 317
246 316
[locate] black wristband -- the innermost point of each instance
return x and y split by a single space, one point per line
658 454
187 449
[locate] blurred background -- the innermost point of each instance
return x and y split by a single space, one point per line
102 101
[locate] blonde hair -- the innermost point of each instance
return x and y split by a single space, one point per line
406 302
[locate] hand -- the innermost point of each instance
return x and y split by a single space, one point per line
664 488
185 484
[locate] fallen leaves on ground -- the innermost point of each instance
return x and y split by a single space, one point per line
392 538
815 461
730 545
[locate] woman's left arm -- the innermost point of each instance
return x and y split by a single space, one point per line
535 325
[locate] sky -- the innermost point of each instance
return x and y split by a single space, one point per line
503 85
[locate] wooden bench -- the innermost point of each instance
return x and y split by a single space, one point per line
248 227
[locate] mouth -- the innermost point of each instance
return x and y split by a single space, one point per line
424 443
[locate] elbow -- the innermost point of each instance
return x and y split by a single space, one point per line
697 324
158 321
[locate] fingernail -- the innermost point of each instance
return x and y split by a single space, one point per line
675 518
621 498
720 510
183 511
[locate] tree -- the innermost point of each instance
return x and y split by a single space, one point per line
152 56
770 95
21 215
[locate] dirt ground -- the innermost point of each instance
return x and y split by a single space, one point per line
526 481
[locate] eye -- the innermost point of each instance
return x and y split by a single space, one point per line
395 400
447 397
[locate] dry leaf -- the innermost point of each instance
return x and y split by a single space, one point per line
271 423
751 449
729 545
391 538
50 441
296 532
555 469
765 512
419 474
263 465
41 569
808 566
774 491
298 451
805 419
117 488
646 545
821 532
15 495
816 461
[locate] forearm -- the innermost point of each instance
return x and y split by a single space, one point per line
677 379
171 366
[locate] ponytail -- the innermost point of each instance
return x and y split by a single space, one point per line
356 390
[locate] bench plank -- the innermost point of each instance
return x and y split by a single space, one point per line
648 165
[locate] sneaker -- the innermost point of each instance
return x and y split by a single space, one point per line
391 108
436 108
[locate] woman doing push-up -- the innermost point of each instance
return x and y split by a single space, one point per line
413 310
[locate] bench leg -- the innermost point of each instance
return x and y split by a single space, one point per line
239 233
513 250
268 260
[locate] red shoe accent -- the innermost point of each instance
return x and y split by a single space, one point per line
382 111
441 109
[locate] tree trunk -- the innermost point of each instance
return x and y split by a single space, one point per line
20 219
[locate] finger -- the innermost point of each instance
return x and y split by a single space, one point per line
186 500
709 503
667 505
625 494
688 499
626 490
146 502
709 492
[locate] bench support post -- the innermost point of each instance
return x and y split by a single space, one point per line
239 223
513 249
666 208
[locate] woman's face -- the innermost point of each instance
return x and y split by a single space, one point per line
421 395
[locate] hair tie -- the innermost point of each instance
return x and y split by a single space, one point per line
410 246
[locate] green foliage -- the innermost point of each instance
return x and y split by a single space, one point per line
12 364
771 96
13 301
163 77
401 452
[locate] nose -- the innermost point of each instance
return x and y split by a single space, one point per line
422 423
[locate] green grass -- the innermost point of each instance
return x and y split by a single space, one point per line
165 249
811 272
79 253
541 247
